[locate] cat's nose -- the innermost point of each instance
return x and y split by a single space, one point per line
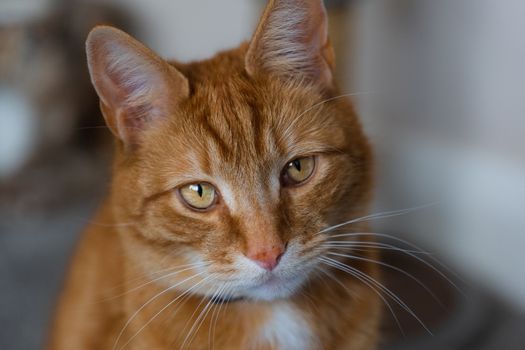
268 259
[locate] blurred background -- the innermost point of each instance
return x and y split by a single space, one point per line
440 89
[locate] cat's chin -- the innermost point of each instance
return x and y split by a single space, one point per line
274 288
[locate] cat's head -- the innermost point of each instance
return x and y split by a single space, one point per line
227 169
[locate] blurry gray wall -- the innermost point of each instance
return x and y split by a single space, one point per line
196 29
446 115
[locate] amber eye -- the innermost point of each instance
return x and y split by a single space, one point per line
299 170
199 195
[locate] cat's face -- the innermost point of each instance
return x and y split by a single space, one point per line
216 184
227 170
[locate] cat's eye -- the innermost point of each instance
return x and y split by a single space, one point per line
298 170
199 196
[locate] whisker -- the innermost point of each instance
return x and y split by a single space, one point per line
395 268
104 224
291 125
164 308
198 319
205 313
387 304
210 340
308 298
382 215
92 127
411 245
228 291
377 245
191 317
146 304
171 274
184 300
145 276
213 319
392 295
332 99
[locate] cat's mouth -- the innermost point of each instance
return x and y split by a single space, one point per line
274 286
265 290
272 280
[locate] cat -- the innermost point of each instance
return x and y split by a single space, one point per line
230 179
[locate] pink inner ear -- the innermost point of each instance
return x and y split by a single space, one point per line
137 117
292 41
134 84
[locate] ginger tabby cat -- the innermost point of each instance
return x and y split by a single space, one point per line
229 177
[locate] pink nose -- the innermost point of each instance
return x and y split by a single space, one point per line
267 259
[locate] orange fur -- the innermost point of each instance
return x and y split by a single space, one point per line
236 128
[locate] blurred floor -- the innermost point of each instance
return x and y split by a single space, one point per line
468 318
42 213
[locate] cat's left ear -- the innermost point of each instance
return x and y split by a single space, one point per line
291 41
136 87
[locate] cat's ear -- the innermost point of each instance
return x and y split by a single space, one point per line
136 87
292 41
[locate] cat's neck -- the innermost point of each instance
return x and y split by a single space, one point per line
313 313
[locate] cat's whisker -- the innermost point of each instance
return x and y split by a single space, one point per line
92 127
171 274
409 244
395 268
410 253
106 127
368 247
376 216
186 298
145 276
385 301
215 315
308 297
219 296
381 287
371 249
424 262
202 317
377 234
376 245
229 289
146 304
197 319
318 104
299 116
355 272
187 292
105 224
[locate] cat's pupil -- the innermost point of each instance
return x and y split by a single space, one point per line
297 164
198 189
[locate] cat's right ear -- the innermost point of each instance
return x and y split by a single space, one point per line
136 87
291 41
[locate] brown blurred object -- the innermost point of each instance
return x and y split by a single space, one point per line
42 60
54 154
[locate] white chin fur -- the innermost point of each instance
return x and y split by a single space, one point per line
269 291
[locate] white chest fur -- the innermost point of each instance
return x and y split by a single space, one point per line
286 329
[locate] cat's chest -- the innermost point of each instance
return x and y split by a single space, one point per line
286 328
